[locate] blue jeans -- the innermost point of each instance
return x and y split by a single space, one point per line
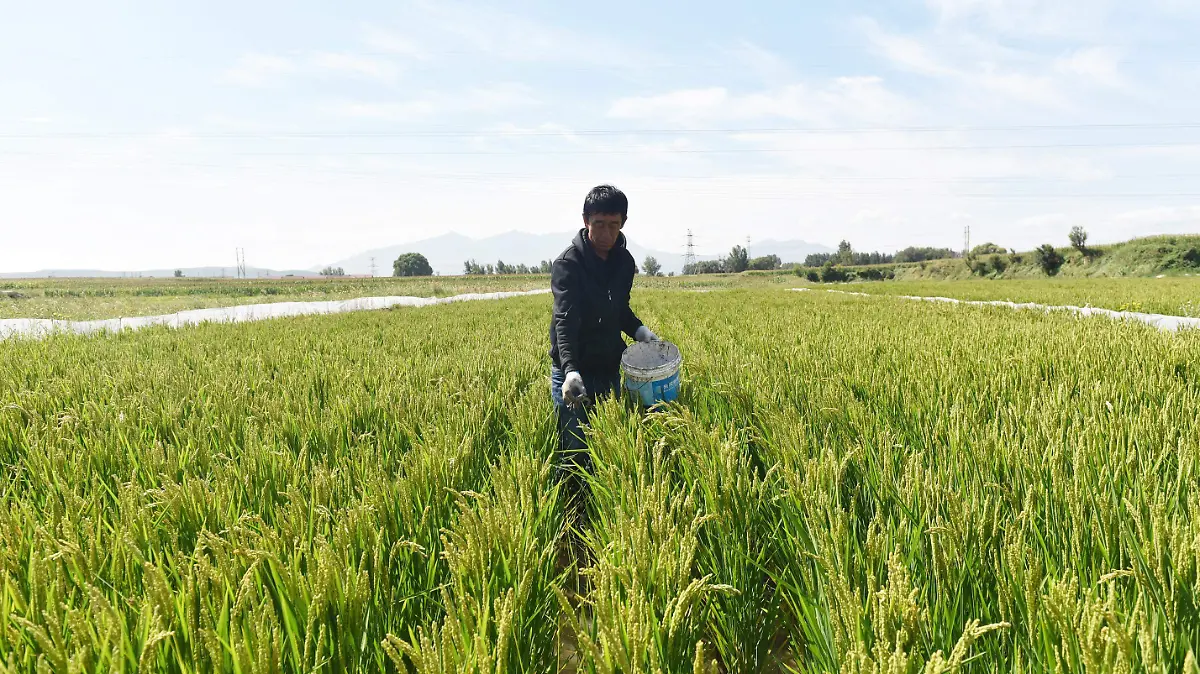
572 447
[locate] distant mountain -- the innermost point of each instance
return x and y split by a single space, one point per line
447 253
189 272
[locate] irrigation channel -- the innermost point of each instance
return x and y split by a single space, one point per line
40 327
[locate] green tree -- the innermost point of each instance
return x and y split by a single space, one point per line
987 249
738 260
705 267
333 271
1048 259
766 263
915 254
178 273
1079 239
845 254
651 266
411 264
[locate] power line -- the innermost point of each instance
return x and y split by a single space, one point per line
386 171
664 151
466 133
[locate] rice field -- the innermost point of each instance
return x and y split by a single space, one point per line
846 484
82 299
1172 296
98 298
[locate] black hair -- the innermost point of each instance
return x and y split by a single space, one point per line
606 199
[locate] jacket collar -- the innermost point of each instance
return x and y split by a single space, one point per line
589 254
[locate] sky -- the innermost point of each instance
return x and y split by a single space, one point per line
138 135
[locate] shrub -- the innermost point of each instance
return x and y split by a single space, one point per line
1049 259
986 249
832 274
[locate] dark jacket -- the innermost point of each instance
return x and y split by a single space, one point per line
591 307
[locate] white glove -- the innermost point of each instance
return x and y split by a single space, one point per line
643 334
573 391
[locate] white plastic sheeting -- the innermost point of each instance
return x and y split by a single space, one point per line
40 327
1160 321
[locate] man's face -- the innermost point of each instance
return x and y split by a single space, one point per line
603 229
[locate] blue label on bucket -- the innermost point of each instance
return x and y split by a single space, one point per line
653 392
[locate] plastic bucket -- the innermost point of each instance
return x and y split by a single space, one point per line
652 371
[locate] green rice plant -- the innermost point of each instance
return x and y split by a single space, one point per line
269 497
501 602
846 483
645 608
738 546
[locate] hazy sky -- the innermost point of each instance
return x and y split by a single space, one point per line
163 134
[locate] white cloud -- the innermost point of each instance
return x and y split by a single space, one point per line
846 100
546 129
1044 18
986 74
381 40
905 52
686 106
396 111
503 96
500 96
1039 90
766 65
1095 65
1166 215
256 70
464 28
354 65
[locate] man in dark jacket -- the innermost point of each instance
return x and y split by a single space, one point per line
591 281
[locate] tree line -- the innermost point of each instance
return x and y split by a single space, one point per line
737 261
846 255
473 268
